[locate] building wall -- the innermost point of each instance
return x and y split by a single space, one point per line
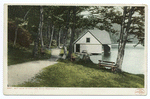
87 35
92 47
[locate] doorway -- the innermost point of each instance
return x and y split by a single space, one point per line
77 47
106 48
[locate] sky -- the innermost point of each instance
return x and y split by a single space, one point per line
86 13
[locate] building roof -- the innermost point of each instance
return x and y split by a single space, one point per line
101 35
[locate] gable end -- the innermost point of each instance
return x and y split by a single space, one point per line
84 34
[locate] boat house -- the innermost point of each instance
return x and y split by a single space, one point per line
93 41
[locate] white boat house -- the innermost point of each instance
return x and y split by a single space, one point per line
93 41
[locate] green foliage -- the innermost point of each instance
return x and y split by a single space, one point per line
81 74
74 55
17 46
54 43
47 52
23 36
106 16
39 47
46 41
19 54
62 52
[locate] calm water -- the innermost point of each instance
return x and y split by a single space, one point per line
133 60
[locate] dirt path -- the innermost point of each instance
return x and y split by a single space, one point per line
19 73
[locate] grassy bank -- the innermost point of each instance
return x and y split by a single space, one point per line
62 52
16 55
81 74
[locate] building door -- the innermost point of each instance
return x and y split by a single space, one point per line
106 48
77 47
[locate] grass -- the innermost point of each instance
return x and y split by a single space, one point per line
82 74
16 56
62 52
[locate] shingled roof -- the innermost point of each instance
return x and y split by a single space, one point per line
101 35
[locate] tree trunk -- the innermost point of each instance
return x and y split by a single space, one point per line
123 37
120 56
64 46
35 50
59 35
71 45
65 52
47 32
72 34
15 36
49 29
51 38
41 27
39 35
48 35
78 34
65 35
27 14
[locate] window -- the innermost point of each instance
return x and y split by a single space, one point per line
87 40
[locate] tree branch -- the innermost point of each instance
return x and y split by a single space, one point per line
27 13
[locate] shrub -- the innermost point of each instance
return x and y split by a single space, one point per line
17 46
47 52
54 43
23 36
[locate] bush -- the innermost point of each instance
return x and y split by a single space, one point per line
47 52
23 36
54 43
74 55
17 46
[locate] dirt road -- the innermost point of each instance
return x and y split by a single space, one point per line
20 73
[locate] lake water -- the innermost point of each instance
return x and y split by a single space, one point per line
133 61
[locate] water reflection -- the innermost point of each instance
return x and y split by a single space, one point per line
133 60
106 56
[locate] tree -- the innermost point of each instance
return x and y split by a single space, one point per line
37 30
18 18
15 39
24 38
72 33
65 34
59 36
131 22
76 22
126 22
61 17
17 15
41 27
55 17
51 38
128 27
